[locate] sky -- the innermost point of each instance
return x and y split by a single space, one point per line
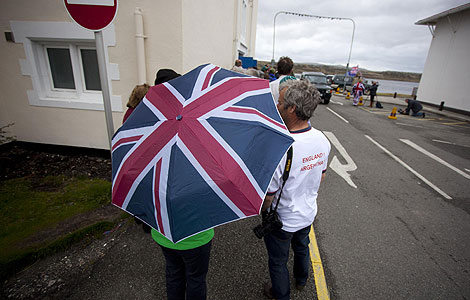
385 37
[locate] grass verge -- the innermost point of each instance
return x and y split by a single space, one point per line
30 205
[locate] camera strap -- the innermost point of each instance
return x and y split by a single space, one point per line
285 175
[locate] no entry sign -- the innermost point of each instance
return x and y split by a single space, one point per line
96 15
92 14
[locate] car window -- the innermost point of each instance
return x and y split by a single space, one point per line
316 79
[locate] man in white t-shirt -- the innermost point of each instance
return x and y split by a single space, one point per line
298 204
284 68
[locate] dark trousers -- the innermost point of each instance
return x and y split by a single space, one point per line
278 243
186 272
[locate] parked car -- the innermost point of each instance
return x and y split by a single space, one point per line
341 81
320 81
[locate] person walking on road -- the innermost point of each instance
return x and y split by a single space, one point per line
373 92
358 90
284 68
415 107
297 207
187 262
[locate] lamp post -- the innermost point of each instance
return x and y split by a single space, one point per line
317 17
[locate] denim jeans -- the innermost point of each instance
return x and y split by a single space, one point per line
278 243
186 272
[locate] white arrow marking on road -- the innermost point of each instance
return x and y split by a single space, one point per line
332 101
467 170
410 169
335 165
439 160
337 115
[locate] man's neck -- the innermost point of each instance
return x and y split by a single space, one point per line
297 125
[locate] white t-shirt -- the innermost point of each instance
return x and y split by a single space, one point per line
274 86
298 205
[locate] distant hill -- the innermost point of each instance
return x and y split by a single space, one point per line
337 69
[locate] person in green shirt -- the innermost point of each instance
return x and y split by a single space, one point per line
187 263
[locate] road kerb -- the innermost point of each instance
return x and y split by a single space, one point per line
320 281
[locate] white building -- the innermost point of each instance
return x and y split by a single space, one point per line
49 80
446 76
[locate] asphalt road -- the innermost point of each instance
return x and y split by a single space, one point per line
394 236
383 232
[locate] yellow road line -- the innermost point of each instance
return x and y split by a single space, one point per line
320 282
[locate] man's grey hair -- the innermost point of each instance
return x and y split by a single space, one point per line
301 94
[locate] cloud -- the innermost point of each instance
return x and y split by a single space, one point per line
385 36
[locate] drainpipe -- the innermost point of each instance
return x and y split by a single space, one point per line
140 47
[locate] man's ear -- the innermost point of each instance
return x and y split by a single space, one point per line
291 109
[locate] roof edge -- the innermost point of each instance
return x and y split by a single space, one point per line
433 19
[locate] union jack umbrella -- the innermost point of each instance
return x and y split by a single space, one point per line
198 152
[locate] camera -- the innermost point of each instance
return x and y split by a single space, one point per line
270 222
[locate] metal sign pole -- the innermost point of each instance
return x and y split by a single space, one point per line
104 84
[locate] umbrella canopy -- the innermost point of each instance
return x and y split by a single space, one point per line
199 151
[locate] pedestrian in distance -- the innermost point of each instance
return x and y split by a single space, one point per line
373 92
265 70
358 90
137 94
272 75
294 200
285 65
164 75
238 67
415 107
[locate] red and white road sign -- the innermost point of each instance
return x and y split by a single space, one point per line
92 14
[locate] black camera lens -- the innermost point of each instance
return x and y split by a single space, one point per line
270 222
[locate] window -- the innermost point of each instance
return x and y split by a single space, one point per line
69 70
63 64
67 60
61 68
90 69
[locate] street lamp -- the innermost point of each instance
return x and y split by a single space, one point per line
317 17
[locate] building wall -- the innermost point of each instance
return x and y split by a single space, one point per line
163 31
445 75
35 123
179 35
211 41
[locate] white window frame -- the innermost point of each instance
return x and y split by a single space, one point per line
36 37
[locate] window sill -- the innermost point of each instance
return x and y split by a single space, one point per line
91 102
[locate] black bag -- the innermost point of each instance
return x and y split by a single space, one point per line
378 105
